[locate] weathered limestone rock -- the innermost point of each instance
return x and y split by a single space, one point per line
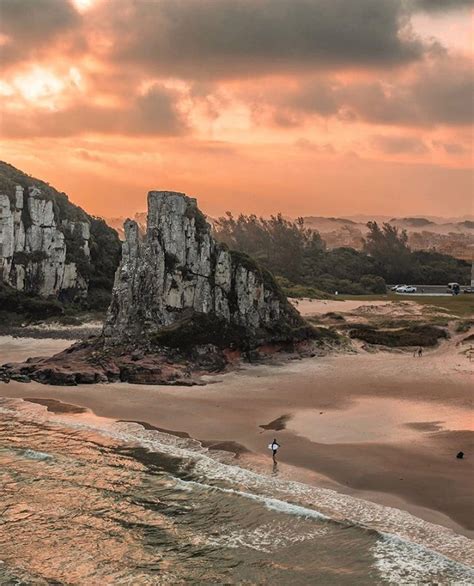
7 235
33 249
176 279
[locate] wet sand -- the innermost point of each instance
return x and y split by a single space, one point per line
15 349
411 465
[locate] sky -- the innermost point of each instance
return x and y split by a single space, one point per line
305 107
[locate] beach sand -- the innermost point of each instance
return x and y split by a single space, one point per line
401 308
309 307
383 426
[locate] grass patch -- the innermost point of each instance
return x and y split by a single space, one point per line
395 323
18 306
326 334
415 335
298 291
461 305
464 325
11 318
334 315
30 306
70 320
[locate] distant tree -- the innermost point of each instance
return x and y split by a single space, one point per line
373 283
280 245
388 246
434 268
299 256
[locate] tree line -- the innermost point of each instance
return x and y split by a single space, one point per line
300 257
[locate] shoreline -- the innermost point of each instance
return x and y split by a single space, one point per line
257 463
53 332
236 411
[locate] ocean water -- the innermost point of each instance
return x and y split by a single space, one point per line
86 500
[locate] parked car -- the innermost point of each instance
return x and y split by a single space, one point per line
406 289
454 288
468 290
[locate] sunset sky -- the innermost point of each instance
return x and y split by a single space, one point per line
321 107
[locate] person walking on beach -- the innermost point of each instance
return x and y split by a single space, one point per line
274 448
420 352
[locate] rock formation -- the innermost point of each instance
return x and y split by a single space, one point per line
182 305
176 285
33 247
46 241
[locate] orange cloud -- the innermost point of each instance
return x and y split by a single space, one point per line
277 105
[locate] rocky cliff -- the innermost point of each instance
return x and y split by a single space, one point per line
33 246
178 286
46 241
182 305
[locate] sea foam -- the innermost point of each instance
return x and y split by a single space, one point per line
405 543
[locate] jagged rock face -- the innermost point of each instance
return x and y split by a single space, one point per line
33 248
177 269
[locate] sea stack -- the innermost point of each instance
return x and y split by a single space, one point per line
183 305
177 286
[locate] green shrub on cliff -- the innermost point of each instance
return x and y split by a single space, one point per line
197 329
31 306
10 177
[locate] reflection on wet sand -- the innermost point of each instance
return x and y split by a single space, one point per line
100 489
374 419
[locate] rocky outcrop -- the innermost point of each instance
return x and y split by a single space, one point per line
182 305
89 362
177 286
46 241
33 246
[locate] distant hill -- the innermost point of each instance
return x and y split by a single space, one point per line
455 238
415 222
447 236
117 223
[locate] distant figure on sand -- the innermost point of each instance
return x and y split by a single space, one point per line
420 352
274 448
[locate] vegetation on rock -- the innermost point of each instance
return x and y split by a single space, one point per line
97 269
31 307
